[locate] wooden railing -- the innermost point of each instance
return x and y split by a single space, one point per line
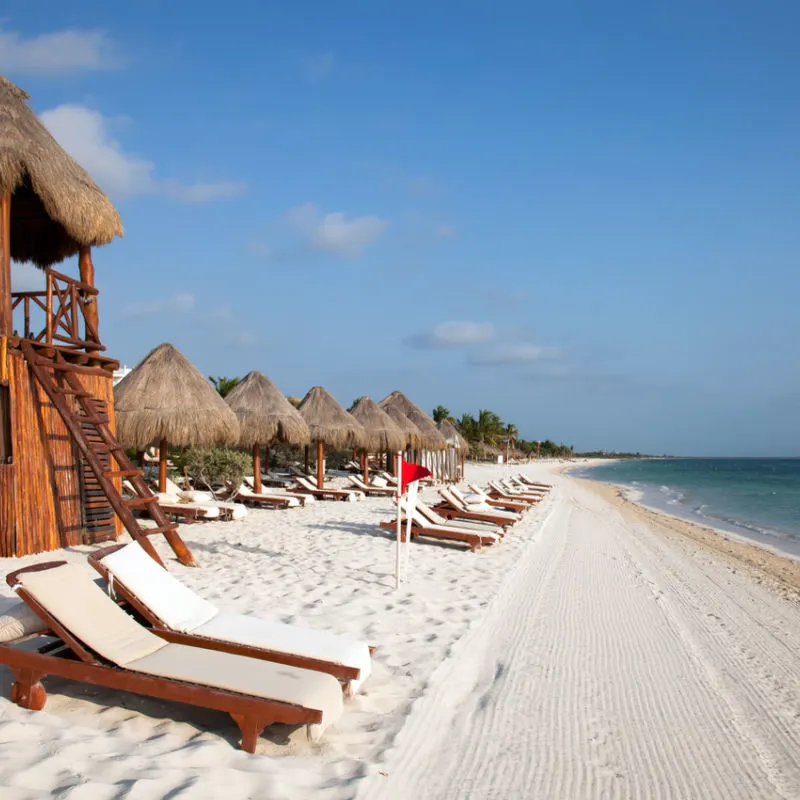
67 318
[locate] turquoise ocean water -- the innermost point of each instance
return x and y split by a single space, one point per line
758 498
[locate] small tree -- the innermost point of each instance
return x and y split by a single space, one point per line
215 466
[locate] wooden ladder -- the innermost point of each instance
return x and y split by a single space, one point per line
89 429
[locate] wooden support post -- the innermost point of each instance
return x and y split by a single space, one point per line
320 464
257 468
140 459
307 466
6 314
90 308
365 465
162 465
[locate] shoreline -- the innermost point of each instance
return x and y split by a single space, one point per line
782 570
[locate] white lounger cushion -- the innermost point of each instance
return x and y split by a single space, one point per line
380 482
82 607
501 515
250 676
71 596
184 611
170 600
211 512
246 491
424 523
322 645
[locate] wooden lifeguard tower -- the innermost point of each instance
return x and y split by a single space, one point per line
61 467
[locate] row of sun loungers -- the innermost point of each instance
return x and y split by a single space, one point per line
257 671
476 519
185 649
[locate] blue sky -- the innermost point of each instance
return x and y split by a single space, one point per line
583 216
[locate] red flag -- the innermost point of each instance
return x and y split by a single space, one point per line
411 472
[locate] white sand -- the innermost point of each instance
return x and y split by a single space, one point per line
585 656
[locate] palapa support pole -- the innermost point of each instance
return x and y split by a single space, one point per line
397 472
365 465
90 312
162 465
6 314
308 470
320 463
140 459
257 468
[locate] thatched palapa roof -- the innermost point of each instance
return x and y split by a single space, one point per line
413 435
329 422
56 208
382 431
452 435
166 397
431 438
264 414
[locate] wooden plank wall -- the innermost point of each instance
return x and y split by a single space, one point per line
48 507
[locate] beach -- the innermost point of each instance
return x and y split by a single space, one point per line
600 650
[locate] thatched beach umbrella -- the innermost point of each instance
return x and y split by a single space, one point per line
413 436
166 399
383 433
265 416
329 424
431 439
51 208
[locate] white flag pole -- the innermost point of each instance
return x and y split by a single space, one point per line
411 503
398 475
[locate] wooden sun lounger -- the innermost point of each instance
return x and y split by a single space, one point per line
341 672
497 502
327 492
370 490
450 509
474 540
68 657
251 497
526 480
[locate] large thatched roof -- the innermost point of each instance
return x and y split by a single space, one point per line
329 422
413 436
264 414
382 431
431 438
452 435
56 207
166 397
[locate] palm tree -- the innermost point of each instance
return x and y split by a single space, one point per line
469 427
490 426
512 434
224 385
440 413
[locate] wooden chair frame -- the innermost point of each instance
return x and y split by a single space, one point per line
323 494
69 658
451 511
342 673
474 540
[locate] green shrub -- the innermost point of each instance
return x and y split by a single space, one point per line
213 466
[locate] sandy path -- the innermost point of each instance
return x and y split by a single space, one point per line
613 663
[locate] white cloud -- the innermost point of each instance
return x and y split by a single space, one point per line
514 354
86 135
453 334
55 53
178 303
334 233
198 193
